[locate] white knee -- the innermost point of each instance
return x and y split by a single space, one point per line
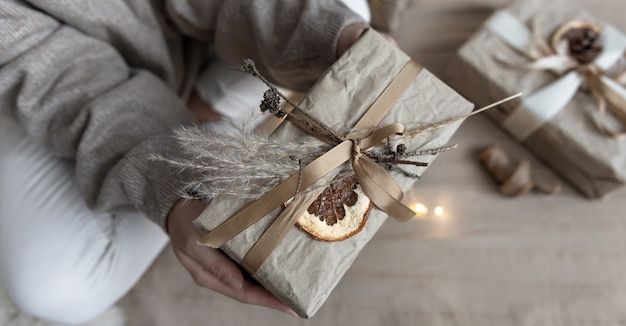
74 281
66 297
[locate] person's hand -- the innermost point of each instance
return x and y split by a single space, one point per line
351 34
210 268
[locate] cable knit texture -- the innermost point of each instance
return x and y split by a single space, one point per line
105 82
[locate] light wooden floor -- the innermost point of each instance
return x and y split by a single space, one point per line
486 260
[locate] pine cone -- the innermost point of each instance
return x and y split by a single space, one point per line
583 40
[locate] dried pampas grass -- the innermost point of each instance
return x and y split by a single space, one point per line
232 161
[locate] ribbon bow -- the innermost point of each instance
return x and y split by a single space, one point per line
538 108
376 183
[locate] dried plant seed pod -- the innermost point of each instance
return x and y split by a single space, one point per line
271 103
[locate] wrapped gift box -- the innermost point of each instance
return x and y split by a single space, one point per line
557 119
301 271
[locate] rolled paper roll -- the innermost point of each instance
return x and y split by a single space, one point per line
514 179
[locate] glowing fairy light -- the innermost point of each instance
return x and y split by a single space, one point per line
420 210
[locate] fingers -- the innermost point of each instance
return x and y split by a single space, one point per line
257 295
352 33
390 39
203 277
210 268
218 265
349 35
246 292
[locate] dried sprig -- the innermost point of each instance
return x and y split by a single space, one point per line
429 127
248 66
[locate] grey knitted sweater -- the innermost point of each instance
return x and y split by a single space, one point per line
106 82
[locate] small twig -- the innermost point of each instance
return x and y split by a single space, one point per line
405 172
249 67
405 162
492 105
395 155
434 151
388 144
415 132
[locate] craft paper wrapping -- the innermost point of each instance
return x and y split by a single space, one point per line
302 271
570 141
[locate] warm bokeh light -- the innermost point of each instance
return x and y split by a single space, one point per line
438 211
420 210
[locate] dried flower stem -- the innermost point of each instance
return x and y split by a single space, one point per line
249 67
434 151
405 162
433 126
404 172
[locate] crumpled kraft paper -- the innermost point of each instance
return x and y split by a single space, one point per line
570 143
302 271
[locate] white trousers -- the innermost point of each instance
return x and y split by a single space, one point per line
59 260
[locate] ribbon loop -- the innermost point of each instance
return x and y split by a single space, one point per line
381 189
377 184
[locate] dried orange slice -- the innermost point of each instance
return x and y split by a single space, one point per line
338 213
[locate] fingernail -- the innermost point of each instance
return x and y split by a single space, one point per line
293 313
234 283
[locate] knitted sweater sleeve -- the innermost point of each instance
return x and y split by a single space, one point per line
292 42
75 93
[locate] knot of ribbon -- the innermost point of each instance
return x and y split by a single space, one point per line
375 181
356 146
541 106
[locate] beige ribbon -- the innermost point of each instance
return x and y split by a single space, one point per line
605 95
376 183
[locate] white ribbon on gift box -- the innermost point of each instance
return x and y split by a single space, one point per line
538 108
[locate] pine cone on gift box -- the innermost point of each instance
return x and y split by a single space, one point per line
583 40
